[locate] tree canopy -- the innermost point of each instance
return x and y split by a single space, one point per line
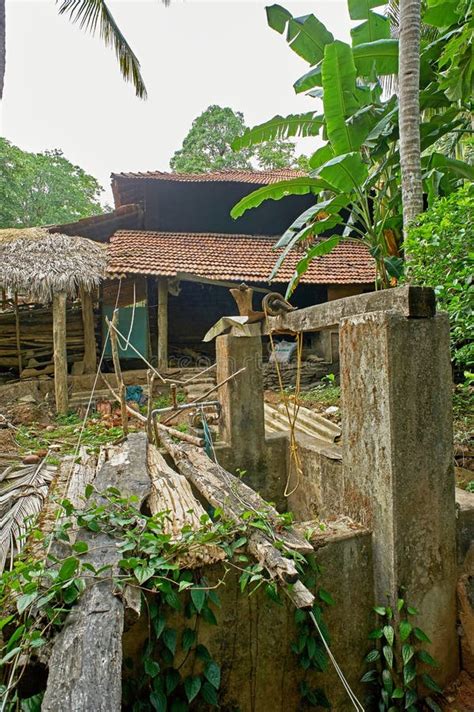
43 188
208 146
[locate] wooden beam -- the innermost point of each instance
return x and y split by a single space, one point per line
60 353
188 277
162 324
411 302
90 346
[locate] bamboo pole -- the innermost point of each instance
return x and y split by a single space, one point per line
118 371
162 324
90 346
17 334
60 353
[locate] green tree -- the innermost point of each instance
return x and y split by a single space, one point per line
441 244
208 146
43 188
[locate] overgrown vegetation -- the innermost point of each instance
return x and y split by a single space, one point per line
355 176
177 669
441 248
398 655
43 189
64 435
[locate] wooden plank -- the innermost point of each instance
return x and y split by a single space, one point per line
90 346
411 302
162 324
85 667
60 352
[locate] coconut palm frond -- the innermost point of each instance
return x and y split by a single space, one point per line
93 15
22 494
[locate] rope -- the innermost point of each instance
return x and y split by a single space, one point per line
350 693
292 417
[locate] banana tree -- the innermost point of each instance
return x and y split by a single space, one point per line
355 176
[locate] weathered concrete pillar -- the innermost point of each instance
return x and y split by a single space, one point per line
242 420
398 464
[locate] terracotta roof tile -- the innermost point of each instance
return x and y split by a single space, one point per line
231 257
235 176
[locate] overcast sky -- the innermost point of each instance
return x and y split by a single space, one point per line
63 89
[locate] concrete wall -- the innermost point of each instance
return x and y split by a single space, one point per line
253 637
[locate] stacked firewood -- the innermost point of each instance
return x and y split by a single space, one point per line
36 338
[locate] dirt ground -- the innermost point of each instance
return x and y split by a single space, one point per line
460 695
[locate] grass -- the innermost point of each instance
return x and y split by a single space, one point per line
66 434
324 394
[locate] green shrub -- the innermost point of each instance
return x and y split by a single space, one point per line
441 250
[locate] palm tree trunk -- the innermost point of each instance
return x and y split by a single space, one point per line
409 109
2 46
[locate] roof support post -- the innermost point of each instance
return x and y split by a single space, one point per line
90 346
60 352
162 324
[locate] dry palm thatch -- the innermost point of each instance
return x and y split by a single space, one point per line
38 264
22 494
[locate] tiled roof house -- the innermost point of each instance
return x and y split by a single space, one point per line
172 239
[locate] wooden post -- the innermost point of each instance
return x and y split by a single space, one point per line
162 324
118 372
60 352
17 333
152 300
90 347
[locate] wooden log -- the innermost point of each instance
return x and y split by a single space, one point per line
90 346
232 497
172 493
85 667
301 596
163 324
60 352
279 567
411 302
224 490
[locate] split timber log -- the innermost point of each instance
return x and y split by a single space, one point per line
233 497
224 490
85 667
172 493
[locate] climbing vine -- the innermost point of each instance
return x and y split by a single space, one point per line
177 670
397 657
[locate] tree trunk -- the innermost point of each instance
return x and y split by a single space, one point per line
2 46
409 110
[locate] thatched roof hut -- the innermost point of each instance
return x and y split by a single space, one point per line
40 264
49 268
